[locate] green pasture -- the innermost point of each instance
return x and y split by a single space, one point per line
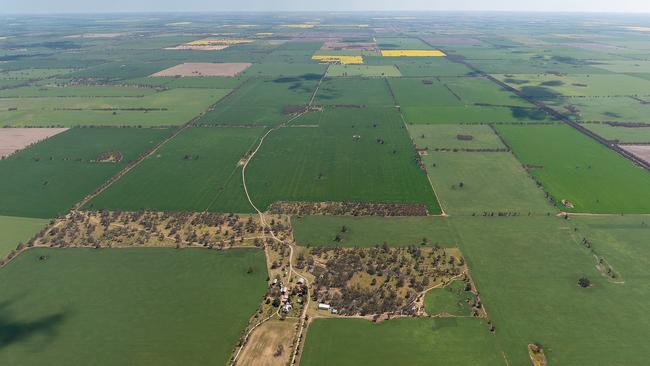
14 230
136 306
455 137
327 163
166 108
195 171
469 183
261 102
526 270
447 341
368 231
363 71
573 167
619 133
46 179
354 91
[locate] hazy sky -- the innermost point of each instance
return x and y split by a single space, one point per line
85 6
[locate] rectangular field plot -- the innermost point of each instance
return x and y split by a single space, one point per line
396 43
75 91
577 169
609 109
444 341
621 134
280 69
368 231
478 182
420 67
262 102
82 299
192 172
461 137
48 178
17 230
625 66
199 69
460 100
362 71
550 86
640 151
354 92
359 155
166 108
543 258
13 139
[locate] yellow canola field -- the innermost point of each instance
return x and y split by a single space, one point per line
412 53
215 41
343 60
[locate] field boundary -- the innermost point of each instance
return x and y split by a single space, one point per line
401 115
147 154
548 110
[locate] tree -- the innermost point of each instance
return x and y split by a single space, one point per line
279 351
584 282
249 270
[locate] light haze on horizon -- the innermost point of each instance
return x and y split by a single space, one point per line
102 6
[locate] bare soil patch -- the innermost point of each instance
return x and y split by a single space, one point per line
198 69
269 344
13 139
640 151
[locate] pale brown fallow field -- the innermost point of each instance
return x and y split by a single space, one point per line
198 69
12 139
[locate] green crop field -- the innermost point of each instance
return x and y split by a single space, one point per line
167 108
540 259
327 163
196 171
610 109
620 134
510 141
127 306
475 183
17 230
452 300
549 85
460 100
354 91
473 137
261 102
371 231
593 178
449 341
420 66
362 71
48 178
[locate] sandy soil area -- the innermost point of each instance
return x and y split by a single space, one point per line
640 151
12 139
198 69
